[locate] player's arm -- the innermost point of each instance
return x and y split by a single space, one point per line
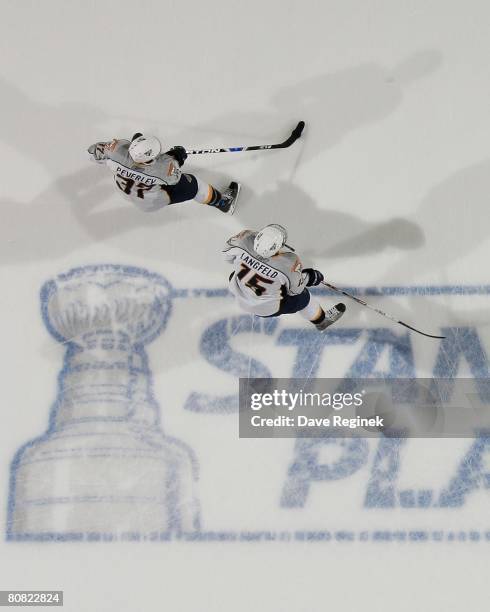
101 151
228 251
299 277
290 264
97 152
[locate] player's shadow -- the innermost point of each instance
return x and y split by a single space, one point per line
331 233
456 222
43 227
455 218
344 101
333 105
313 231
50 137
81 207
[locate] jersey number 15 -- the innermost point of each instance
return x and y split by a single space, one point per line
252 280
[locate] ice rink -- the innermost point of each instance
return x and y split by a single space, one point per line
124 481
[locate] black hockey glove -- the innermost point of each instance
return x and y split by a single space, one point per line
313 277
179 154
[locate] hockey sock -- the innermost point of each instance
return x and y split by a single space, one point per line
214 196
313 312
207 194
320 318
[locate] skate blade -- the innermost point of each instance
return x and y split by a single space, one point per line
235 200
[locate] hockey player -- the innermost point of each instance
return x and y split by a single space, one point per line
269 280
152 179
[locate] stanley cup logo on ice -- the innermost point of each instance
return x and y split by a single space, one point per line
104 467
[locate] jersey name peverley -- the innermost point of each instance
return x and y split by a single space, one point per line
128 173
258 266
131 174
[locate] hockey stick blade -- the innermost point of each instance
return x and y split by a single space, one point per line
420 332
295 134
380 312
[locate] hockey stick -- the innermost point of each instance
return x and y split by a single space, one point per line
384 314
295 134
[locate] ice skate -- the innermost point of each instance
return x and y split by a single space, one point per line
331 316
229 198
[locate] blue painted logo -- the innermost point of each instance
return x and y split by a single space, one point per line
104 469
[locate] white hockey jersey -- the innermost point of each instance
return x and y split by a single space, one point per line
143 184
260 284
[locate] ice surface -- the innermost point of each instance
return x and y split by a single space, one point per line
387 193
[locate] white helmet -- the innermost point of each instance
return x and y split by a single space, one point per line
144 149
269 240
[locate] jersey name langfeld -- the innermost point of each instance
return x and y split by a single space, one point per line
135 176
257 265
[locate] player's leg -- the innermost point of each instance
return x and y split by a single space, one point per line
309 308
191 188
210 196
292 303
321 319
185 190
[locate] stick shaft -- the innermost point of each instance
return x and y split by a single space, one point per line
380 312
295 134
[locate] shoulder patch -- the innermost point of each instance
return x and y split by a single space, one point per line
289 256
